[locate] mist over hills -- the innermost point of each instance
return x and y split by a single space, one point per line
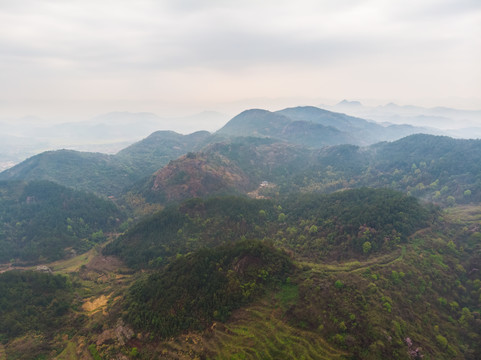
112 132
315 233
307 127
102 173
453 122
106 133
314 127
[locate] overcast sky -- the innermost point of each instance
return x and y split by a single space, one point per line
79 58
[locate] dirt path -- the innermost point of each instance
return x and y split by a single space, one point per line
382 261
9 267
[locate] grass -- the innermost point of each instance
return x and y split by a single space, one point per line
258 332
355 266
3 354
69 353
73 264
466 213
288 295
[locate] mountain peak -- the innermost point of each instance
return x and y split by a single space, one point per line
349 103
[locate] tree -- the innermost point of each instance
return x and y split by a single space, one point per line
442 341
366 247
450 200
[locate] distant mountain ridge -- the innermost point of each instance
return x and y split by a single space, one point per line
108 175
449 121
314 127
107 133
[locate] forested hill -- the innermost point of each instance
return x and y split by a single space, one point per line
263 123
335 226
235 166
435 168
32 302
314 127
94 172
106 174
156 150
109 174
43 221
205 286
366 278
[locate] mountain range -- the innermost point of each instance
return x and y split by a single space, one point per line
299 233
106 133
454 122
314 127
307 126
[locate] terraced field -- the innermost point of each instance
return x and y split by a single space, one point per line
258 333
255 332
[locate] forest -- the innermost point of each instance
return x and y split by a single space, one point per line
200 287
43 221
344 225
244 248
33 302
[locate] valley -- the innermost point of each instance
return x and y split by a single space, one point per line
279 236
240 180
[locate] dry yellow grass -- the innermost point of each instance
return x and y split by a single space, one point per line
96 304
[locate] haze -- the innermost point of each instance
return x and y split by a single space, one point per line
72 60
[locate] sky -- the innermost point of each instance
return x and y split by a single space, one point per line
73 59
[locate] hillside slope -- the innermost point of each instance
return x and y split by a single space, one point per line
263 123
109 174
415 296
435 168
43 221
106 174
230 167
314 127
156 150
418 298
96 172
330 226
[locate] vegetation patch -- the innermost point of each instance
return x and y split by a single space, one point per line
43 221
315 226
95 304
207 285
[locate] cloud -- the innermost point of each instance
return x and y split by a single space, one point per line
94 48
108 35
